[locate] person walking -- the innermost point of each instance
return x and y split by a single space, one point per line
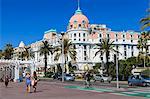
34 81
28 82
88 79
6 80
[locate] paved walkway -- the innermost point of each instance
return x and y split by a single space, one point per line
122 91
54 90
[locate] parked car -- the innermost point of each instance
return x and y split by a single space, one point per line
102 78
67 77
141 80
56 76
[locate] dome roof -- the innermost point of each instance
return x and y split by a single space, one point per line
78 19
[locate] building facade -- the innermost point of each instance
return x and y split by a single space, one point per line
85 36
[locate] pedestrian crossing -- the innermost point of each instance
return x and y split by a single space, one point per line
126 92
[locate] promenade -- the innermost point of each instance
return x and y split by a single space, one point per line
58 90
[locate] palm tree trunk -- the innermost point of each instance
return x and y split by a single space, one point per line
107 64
45 68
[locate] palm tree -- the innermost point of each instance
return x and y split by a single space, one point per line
143 44
145 21
106 47
45 50
8 51
69 51
1 54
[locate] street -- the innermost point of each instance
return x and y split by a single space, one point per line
69 90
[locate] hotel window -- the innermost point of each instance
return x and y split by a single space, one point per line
107 35
74 46
116 37
132 53
74 39
79 40
117 47
100 35
100 40
132 47
84 58
74 34
83 22
84 46
102 58
83 34
84 53
83 39
131 40
125 47
79 34
125 53
123 36
79 25
128 47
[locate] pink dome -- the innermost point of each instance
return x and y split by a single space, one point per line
78 20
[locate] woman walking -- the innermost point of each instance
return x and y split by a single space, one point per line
6 80
34 81
28 82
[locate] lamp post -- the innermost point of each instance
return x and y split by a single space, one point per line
62 57
62 61
117 71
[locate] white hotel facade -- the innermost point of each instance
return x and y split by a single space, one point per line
85 36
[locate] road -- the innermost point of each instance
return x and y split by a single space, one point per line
69 90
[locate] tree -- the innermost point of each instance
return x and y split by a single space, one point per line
69 51
105 48
45 50
143 46
8 51
1 54
145 21
146 72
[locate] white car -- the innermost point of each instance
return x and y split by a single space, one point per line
102 78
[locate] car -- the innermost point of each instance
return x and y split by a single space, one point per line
56 76
67 77
140 80
102 78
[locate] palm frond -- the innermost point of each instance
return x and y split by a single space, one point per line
145 25
143 20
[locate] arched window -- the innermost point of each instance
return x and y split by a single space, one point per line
79 25
75 22
83 23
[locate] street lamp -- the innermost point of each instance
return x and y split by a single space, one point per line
62 57
116 57
61 41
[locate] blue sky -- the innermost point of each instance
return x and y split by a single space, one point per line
27 20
